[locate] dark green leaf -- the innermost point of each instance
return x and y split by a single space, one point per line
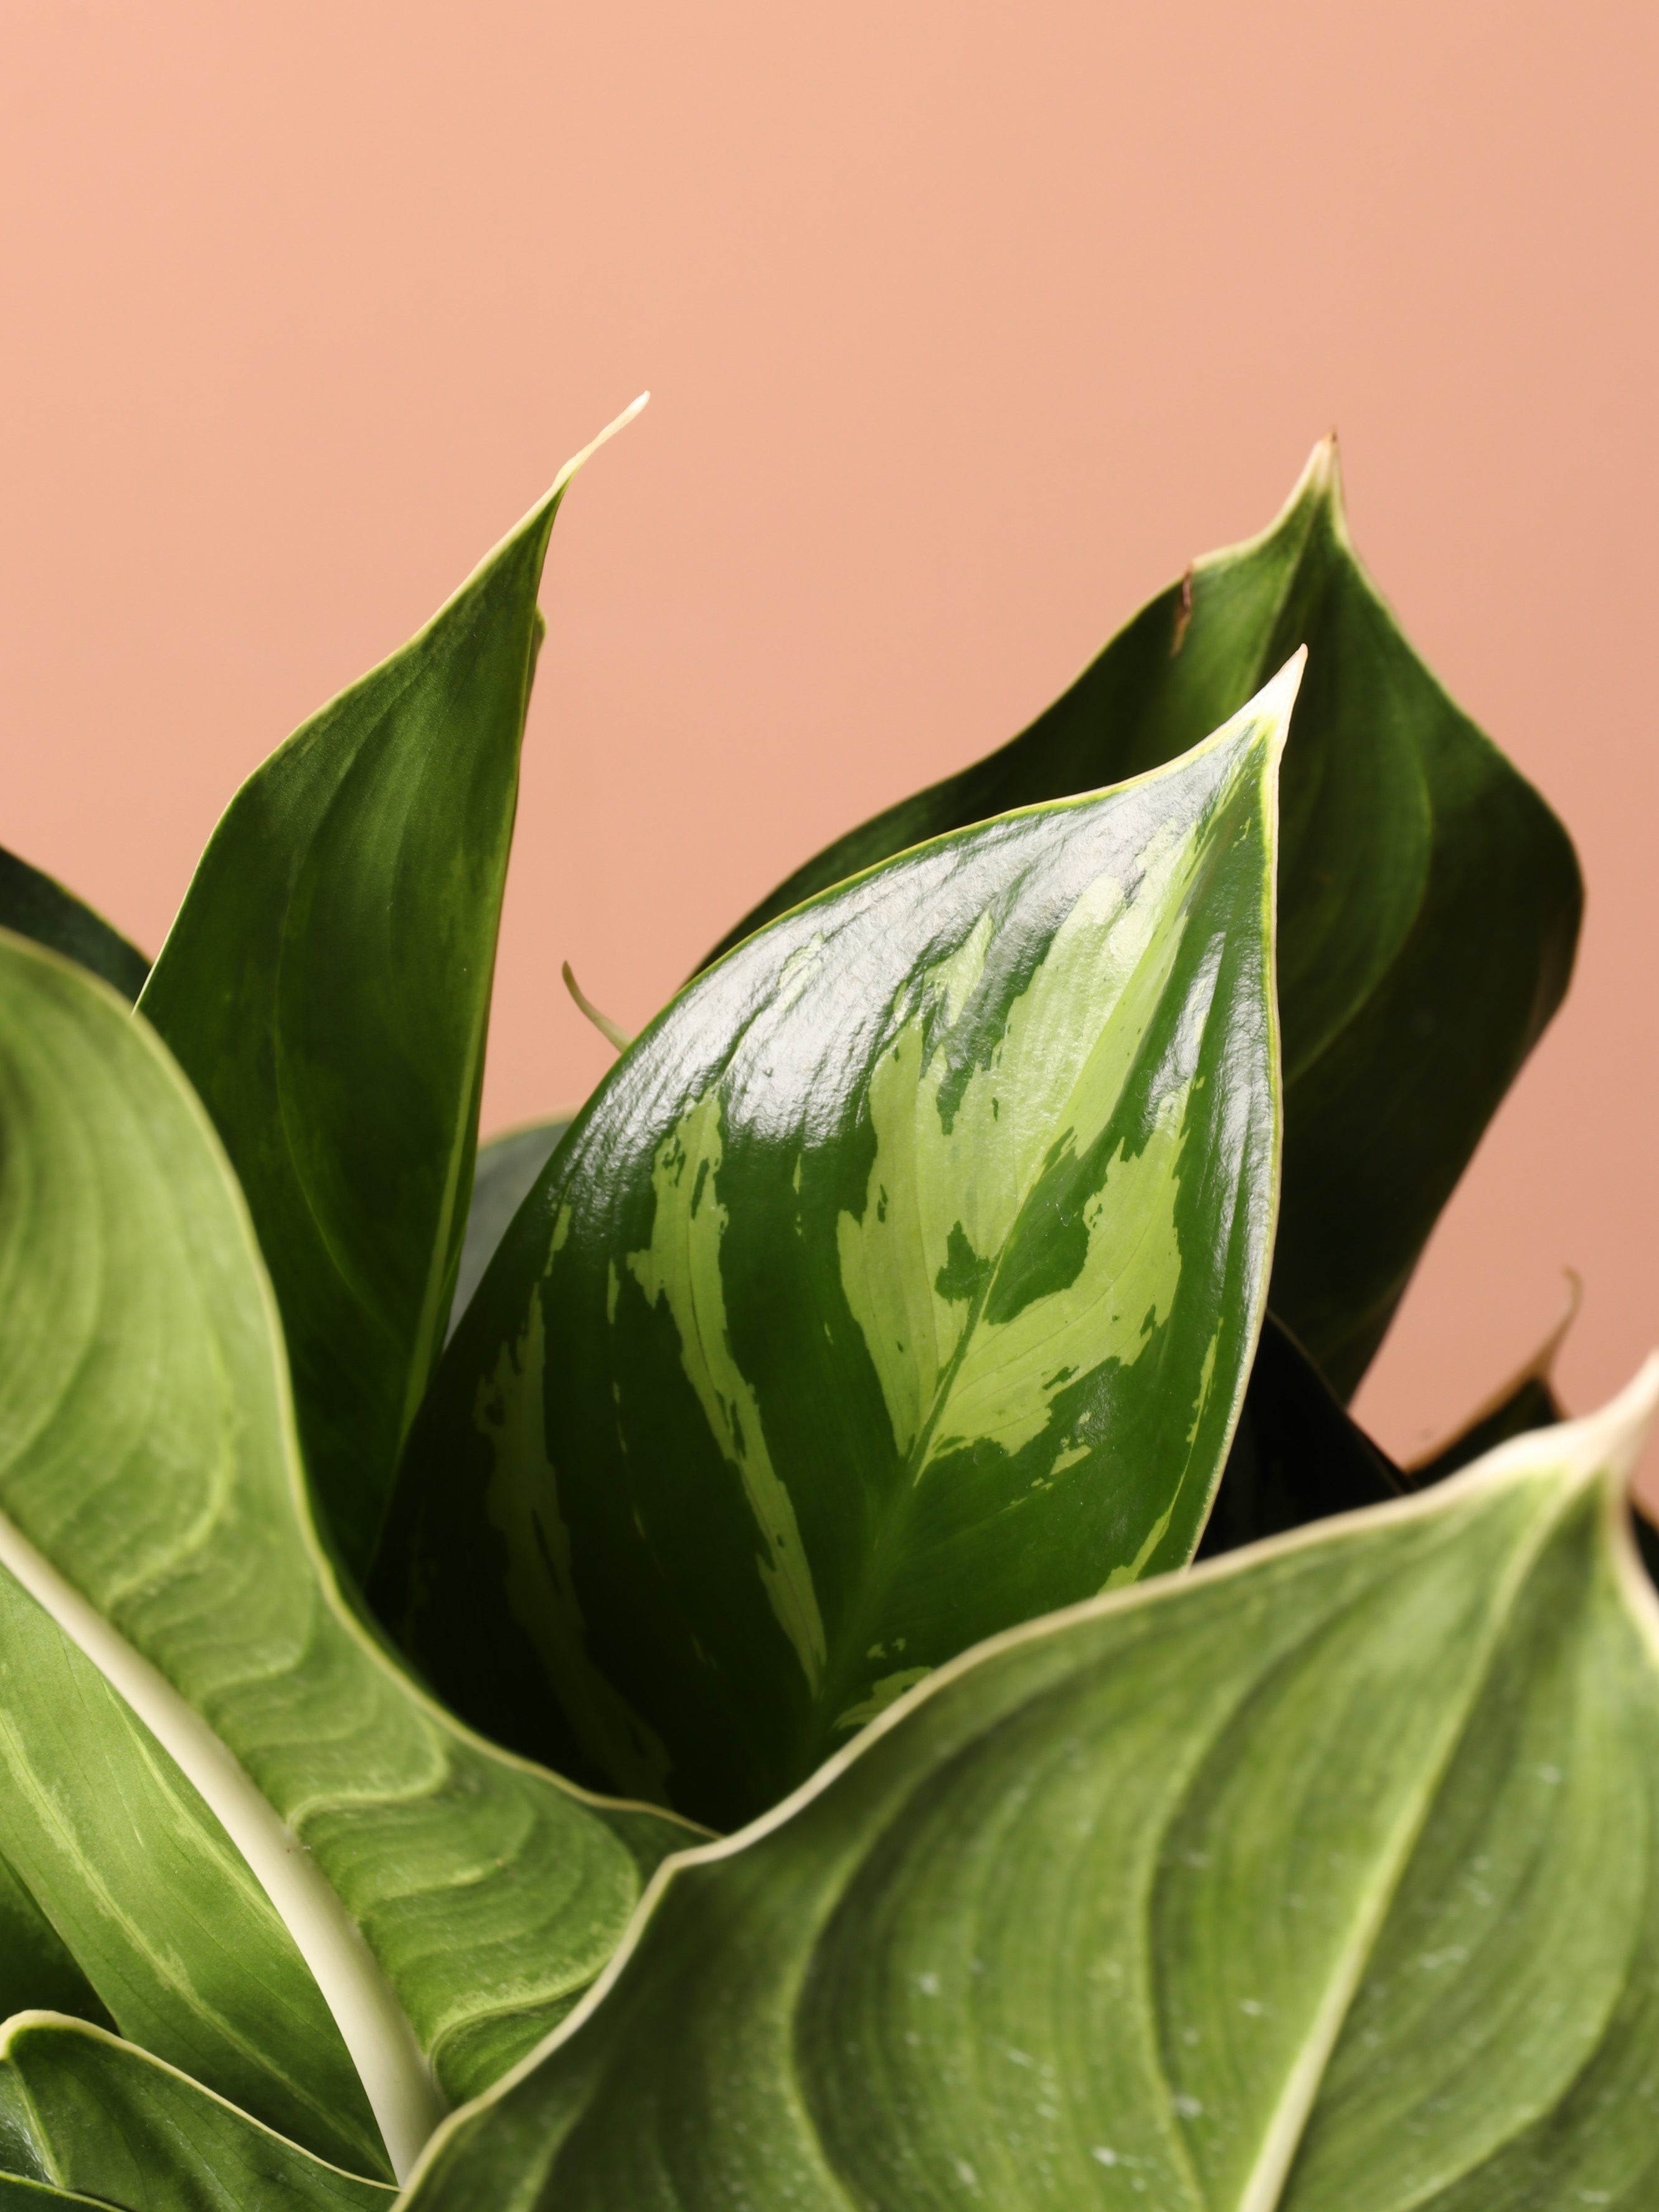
1325 1878
1296 1457
898 1283
505 1172
36 906
90 2113
450 1901
327 989
1429 900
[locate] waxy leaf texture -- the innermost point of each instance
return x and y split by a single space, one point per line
898 1283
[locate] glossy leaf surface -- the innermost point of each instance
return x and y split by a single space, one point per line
155 1904
326 988
441 1891
1297 1455
1429 900
84 2112
899 1283
1325 1878
36 905
507 1171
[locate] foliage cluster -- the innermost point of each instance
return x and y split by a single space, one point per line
657 1663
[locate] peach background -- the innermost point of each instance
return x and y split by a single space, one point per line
967 326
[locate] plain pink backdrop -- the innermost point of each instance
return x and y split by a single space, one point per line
967 327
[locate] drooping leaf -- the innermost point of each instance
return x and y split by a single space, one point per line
156 1907
1527 1401
507 1169
1429 900
1297 1455
450 1900
1325 1878
36 905
326 987
898 1283
84 2112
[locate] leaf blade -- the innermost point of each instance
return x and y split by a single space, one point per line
964 1965
102 2117
155 1905
326 986
898 1283
147 1452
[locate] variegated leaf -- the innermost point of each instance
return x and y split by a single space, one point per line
898 1283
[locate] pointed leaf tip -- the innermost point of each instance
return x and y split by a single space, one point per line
621 423
1273 703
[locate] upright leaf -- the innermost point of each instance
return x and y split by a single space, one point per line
1429 900
89 2113
326 988
450 1900
36 905
899 1283
1325 1878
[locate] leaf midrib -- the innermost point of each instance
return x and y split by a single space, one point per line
850 1639
373 2026
1264 2189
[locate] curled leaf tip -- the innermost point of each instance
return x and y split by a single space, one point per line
621 423
612 1032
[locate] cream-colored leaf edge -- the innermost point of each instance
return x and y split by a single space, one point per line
93 2034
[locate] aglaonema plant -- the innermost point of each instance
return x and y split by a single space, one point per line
817 1633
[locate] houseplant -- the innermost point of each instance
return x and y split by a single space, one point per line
1000 1219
